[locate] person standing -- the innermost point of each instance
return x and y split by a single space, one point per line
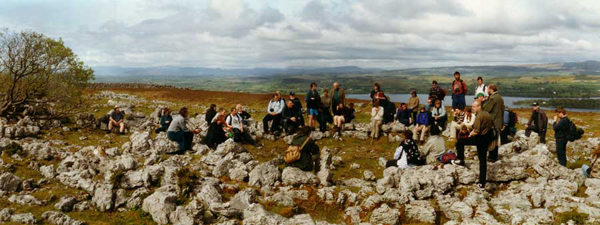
495 107
538 122
436 93
337 96
481 88
325 111
481 136
413 105
180 133
459 90
274 111
376 119
377 94
313 100
561 128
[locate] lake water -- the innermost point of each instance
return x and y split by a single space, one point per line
508 101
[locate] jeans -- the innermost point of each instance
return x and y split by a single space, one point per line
482 142
458 101
561 151
275 126
183 138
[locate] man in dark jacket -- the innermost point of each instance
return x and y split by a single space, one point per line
210 113
436 93
495 107
297 107
309 155
538 122
337 96
290 118
561 128
481 136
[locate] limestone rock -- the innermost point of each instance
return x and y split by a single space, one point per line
264 174
9 182
420 211
104 197
58 218
25 200
24 218
160 205
65 204
385 215
295 176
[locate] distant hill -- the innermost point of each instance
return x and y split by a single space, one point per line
568 68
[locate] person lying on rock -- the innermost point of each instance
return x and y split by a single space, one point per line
309 155
216 133
593 171
407 154
116 118
180 133
165 120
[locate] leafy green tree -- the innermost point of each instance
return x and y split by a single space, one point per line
39 76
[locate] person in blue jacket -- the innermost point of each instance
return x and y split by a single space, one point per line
422 125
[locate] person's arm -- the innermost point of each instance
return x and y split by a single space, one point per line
398 152
269 107
561 125
471 120
476 127
544 125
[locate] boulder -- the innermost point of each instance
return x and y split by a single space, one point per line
104 197
294 176
302 219
160 205
190 214
23 218
140 141
65 204
420 211
385 215
352 215
9 182
58 218
265 174
5 214
25 200
369 176
256 214
244 199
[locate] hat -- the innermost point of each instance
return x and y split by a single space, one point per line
292 93
479 95
536 104
116 106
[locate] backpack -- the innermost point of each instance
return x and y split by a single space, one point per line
574 133
513 118
443 94
292 153
447 157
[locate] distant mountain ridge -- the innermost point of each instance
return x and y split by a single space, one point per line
567 68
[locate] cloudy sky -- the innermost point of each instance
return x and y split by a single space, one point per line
314 33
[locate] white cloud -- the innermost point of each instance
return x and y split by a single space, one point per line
312 33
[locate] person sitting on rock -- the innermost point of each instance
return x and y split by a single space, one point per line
274 111
297 107
291 118
339 117
435 146
180 133
422 125
349 116
376 119
457 122
116 118
407 154
469 118
438 112
243 114
235 121
211 113
165 120
403 115
216 132
593 171
222 112
464 132
309 155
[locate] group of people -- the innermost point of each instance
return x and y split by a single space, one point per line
486 124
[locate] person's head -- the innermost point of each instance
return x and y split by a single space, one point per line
351 105
117 109
479 81
408 134
458 110
375 104
233 111
290 104
305 130
429 99
184 112
220 119
536 106
492 89
292 95
376 87
403 106
435 130
325 92
341 105
413 93
480 97
213 107
468 111
336 85
423 109
239 108
438 103
276 97
223 111
560 112
457 75
278 93
476 106
464 128
434 84
166 111
313 86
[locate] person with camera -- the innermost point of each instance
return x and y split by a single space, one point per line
274 111
459 90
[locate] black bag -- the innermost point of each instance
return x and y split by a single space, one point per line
574 133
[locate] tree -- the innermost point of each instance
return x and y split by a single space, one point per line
39 76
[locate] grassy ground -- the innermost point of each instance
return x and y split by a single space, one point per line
351 151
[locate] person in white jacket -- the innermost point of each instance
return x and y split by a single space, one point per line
376 119
481 88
